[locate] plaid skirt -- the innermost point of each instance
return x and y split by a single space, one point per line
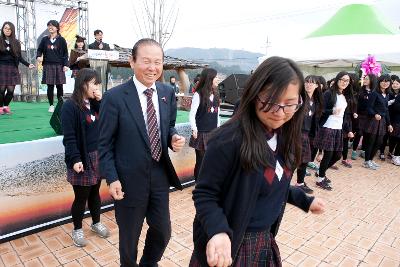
200 143
363 121
90 176
53 74
305 148
9 75
376 127
396 130
329 139
258 249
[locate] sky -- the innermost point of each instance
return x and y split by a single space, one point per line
246 25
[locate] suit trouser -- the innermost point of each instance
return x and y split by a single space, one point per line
130 222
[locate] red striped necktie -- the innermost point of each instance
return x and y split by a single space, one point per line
152 127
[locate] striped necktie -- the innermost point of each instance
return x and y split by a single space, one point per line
152 127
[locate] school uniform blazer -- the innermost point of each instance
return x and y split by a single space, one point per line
225 194
124 146
378 104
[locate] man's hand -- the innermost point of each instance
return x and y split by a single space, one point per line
317 206
177 142
218 251
115 190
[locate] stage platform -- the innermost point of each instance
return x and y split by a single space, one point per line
30 121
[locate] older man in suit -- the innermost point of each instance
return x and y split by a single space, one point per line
137 125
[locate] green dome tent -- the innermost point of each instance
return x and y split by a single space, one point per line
345 40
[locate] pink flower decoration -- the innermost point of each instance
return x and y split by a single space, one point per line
370 66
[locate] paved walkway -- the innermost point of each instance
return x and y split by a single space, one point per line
360 228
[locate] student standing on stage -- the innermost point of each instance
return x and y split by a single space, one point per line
77 58
79 117
10 57
330 136
53 54
313 111
394 111
379 121
204 114
244 183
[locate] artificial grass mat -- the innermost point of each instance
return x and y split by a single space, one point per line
30 121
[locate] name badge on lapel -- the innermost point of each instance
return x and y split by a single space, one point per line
278 170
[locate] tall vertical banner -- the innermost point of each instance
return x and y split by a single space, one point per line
68 19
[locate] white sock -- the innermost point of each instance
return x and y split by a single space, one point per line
320 179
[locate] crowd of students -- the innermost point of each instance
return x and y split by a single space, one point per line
344 113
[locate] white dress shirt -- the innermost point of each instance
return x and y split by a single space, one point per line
193 110
143 100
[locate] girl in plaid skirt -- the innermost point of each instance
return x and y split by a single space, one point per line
330 136
204 114
313 111
79 117
379 123
244 182
10 57
53 54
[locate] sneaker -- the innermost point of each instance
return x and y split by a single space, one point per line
326 178
375 164
7 110
362 154
369 165
334 167
324 185
382 157
313 166
305 188
308 173
100 229
346 163
389 155
79 238
396 160
354 155
51 109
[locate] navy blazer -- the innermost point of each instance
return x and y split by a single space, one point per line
378 104
124 147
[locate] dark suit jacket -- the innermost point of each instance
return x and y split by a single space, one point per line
124 147
95 46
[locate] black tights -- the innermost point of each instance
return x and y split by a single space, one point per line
372 144
83 194
328 160
5 98
50 93
199 160
301 170
394 145
356 141
345 150
384 143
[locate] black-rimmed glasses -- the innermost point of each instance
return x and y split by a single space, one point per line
274 107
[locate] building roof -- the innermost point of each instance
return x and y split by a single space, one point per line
169 62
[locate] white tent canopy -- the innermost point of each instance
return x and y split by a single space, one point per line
341 50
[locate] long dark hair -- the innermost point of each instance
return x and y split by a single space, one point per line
80 39
384 77
372 82
317 94
55 24
14 43
205 86
273 76
347 92
82 79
